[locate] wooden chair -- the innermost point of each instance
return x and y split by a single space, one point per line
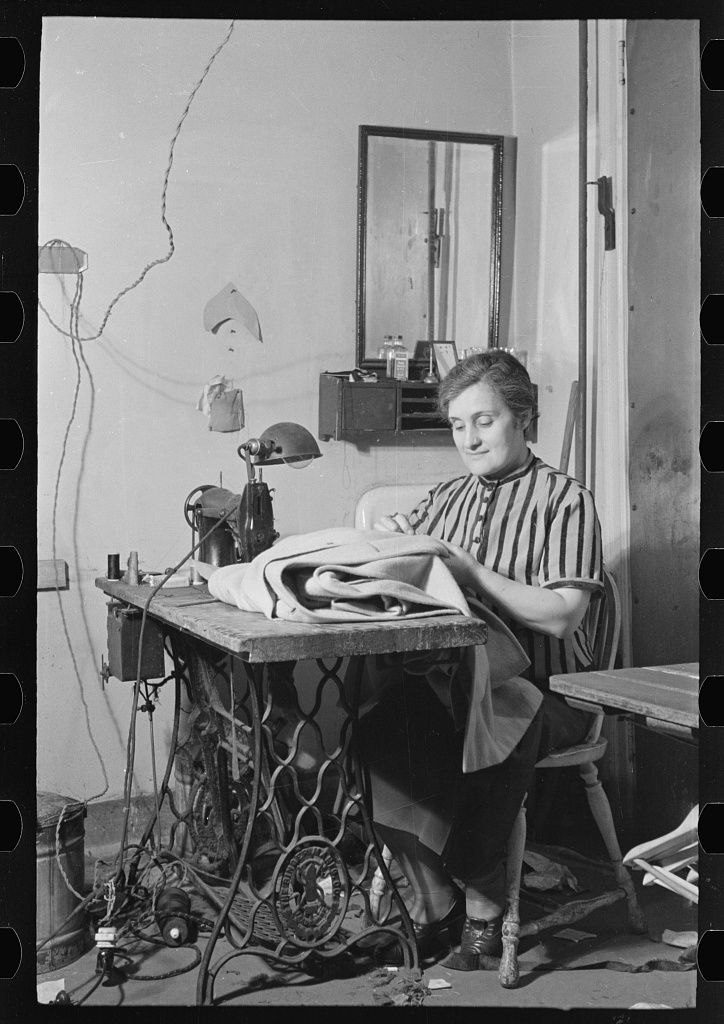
584 755
370 506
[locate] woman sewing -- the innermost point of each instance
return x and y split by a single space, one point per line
524 540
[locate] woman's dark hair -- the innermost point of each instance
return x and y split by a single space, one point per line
503 374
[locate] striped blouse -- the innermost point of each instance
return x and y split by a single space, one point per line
537 526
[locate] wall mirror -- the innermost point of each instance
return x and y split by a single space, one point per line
430 227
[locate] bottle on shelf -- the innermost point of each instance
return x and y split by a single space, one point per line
400 360
385 354
390 357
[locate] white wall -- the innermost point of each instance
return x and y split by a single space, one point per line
545 282
262 193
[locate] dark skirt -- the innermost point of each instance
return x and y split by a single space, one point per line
413 756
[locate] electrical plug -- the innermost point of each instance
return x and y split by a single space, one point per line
105 944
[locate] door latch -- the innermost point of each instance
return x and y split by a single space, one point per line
604 184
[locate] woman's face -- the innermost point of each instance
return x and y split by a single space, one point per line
487 434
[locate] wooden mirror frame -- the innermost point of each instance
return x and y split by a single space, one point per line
496 142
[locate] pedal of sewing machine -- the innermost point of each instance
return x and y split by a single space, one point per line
266 930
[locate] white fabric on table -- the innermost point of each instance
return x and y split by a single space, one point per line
345 575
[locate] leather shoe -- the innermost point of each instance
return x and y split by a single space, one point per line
479 939
426 936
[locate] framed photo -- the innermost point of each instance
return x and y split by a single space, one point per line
446 357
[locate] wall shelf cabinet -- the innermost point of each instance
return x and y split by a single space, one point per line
349 410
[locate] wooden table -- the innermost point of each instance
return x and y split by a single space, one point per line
254 638
664 698
250 795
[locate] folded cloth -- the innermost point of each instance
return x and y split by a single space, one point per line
499 712
344 575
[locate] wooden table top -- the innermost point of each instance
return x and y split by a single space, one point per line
668 693
253 637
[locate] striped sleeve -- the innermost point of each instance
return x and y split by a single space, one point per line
572 553
420 514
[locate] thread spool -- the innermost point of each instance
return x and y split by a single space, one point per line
133 568
172 909
114 567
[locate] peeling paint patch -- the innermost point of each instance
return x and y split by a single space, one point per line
660 461
654 462
681 464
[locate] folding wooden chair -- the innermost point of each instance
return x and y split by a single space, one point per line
663 859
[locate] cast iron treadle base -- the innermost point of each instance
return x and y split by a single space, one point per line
265 930
263 778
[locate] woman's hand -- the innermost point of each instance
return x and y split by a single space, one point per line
461 563
555 611
396 523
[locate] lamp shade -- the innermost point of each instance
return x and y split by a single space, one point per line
286 442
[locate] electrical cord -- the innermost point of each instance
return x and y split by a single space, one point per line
167 974
79 1002
66 996
148 706
76 347
74 334
131 744
95 894
58 860
80 906
170 855
132 921
75 341
112 912
74 312
135 921
169 231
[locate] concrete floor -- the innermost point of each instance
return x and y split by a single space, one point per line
249 980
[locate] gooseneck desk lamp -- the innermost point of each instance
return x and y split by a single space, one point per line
251 529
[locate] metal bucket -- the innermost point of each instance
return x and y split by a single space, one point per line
54 901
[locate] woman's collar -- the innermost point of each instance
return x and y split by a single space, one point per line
513 475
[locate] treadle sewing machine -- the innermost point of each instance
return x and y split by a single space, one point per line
282 837
236 528
294 843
